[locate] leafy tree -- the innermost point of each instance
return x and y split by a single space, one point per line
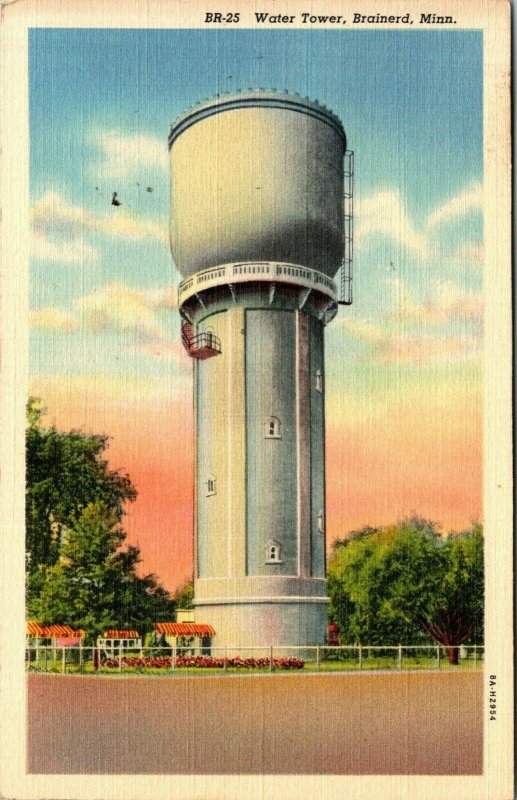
141 601
455 611
64 473
78 571
80 588
405 583
184 597
368 573
94 584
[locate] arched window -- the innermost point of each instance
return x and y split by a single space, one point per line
319 381
273 553
211 485
209 338
321 522
272 428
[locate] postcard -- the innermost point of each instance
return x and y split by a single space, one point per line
256 385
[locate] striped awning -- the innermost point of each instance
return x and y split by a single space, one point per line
38 631
184 629
116 634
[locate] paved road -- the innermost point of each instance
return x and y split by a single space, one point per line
406 723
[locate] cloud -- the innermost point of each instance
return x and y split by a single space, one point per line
162 297
54 319
390 342
164 350
76 251
126 225
119 309
102 391
385 213
363 330
458 206
446 302
52 215
123 154
123 309
395 348
424 349
472 252
130 313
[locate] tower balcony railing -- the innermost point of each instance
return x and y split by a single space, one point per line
201 345
266 271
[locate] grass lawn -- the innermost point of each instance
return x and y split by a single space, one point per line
373 663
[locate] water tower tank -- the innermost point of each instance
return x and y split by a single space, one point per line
257 176
258 232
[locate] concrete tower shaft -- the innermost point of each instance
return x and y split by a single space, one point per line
260 494
258 244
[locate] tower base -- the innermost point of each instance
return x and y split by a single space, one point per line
265 623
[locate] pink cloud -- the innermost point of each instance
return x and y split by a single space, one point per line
424 349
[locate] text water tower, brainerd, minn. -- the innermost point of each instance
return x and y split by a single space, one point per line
261 195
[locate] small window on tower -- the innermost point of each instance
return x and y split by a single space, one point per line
272 428
319 381
321 522
211 486
273 553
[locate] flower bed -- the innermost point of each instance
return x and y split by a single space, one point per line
210 662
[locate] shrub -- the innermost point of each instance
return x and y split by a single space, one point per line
201 662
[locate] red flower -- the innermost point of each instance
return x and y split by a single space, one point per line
160 662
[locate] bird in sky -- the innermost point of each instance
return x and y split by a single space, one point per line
114 201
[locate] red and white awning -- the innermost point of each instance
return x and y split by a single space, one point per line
113 633
184 629
38 631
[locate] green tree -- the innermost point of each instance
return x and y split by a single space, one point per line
406 584
455 611
64 473
184 597
94 584
80 588
78 570
141 601
367 574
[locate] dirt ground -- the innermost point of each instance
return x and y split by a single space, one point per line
407 723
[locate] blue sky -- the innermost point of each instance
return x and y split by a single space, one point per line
403 363
411 104
101 102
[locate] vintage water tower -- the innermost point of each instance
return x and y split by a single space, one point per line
260 184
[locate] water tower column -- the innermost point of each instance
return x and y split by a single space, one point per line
260 505
257 230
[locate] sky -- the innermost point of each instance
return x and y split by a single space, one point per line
404 380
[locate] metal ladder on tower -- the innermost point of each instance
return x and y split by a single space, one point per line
345 274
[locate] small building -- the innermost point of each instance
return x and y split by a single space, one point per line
114 642
185 615
53 635
193 635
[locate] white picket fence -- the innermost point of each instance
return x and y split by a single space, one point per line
229 660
